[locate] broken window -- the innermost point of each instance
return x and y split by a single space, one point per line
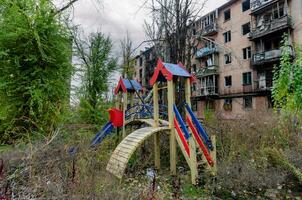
245 5
228 104
227 15
247 53
246 28
228 81
227 58
248 102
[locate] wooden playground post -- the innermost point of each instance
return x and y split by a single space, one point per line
192 144
131 105
171 101
156 124
117 101
214 155
125 104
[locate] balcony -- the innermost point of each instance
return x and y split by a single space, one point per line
271 26
207 91
207 71
269 56
206 51
257 5
263 85
210 29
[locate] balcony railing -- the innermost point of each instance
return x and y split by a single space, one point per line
264 85
271 26
210 29
206 51
258 4
269 56
206 91
207 71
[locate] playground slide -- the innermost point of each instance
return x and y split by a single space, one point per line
199 127
99 137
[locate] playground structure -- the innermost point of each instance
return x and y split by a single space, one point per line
188 134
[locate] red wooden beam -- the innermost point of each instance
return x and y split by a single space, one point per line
200 142
182 137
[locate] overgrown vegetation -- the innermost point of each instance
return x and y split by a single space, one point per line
35 65
287 87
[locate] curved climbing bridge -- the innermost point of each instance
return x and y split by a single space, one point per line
123 152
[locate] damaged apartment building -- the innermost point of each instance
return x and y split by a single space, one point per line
236 47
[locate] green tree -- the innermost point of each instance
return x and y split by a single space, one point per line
35 65
287 87
96 65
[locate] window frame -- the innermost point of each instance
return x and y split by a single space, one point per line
248 102
242 28
247 53
243 3
228 104
224 14
245 78
227 36
229 55
225 81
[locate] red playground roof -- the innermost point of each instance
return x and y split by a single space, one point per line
126 85
166 71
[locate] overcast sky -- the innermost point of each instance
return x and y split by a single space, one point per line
116 17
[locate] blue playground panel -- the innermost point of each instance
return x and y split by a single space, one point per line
181 122
199 127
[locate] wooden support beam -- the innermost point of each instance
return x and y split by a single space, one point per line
192 144
117 101
171 101
156 124
125 104
131 105
214 155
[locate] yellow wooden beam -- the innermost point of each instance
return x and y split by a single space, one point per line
192 144
156 124
171 101
125 104
214 155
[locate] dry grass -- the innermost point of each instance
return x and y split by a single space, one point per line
245 168
244 165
